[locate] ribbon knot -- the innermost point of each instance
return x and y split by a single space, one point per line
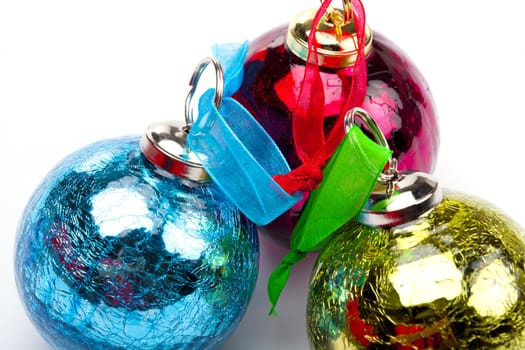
306 177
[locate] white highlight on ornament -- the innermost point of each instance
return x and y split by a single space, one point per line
178 240
119 210
96 162
425 280
411 235
494 292
171 146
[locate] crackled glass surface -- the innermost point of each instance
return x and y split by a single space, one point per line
112 253
453 279
398 98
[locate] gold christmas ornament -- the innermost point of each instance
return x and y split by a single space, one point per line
452 278
420 268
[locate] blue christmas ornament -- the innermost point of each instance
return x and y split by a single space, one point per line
127 245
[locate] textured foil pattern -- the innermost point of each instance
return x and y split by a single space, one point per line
113 253
453 279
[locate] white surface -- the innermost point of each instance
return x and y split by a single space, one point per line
72 72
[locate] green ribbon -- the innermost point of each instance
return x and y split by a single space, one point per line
348 180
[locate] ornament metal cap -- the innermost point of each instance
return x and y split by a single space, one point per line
336 37
165 144
397 197
401 200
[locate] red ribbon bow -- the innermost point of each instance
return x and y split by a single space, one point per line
308 117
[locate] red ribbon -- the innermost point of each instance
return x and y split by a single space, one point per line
308 117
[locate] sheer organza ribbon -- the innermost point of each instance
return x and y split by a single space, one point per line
235 150
308 116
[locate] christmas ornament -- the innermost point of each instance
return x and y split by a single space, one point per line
127 244
396 93
420 268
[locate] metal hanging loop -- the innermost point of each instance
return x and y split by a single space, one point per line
219 87
339 17
389 174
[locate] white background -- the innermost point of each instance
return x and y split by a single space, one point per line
72 72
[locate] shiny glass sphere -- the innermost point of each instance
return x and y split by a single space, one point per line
398 97
452 279
114 253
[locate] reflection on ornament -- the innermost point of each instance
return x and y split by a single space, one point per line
113 253
453 278
427 279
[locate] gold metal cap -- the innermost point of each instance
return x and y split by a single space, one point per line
336 43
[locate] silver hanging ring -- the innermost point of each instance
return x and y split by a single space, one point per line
219 87
391 173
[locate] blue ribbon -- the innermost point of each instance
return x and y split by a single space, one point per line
236 151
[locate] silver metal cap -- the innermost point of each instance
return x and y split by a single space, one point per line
165 145
412 194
